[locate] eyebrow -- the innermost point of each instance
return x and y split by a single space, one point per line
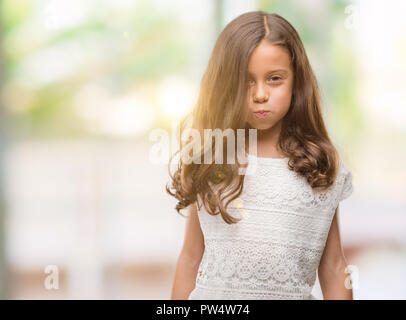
272 71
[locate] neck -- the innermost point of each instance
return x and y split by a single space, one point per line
269 137
267 140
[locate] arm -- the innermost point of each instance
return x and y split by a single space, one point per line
332 266
189 257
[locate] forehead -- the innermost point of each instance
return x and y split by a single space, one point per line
268 57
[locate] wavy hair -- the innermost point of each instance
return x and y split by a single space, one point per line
221 104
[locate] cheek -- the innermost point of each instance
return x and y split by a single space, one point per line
281 98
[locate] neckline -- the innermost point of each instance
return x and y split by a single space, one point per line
267 159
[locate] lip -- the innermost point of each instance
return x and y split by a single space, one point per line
261 113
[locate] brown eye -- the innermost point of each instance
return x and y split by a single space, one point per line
275 78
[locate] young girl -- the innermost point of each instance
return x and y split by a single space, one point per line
279 225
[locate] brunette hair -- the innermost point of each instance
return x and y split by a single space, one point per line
221 104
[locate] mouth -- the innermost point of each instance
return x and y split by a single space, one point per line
261 113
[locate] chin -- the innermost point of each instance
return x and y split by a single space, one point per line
265 127
262 126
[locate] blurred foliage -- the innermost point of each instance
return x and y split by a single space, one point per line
14 12
135 47
119 48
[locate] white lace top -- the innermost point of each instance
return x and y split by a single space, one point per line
275 250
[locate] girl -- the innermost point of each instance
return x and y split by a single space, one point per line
279 225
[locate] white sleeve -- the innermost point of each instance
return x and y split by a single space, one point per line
346 182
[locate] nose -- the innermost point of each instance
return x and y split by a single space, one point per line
260 93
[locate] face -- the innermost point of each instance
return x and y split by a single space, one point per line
269 86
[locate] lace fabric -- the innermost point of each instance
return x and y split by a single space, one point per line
275 250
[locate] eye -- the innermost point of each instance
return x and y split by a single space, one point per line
250 82
275 78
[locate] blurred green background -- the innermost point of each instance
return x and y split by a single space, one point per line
83 83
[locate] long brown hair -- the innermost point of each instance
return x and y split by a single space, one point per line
221 104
